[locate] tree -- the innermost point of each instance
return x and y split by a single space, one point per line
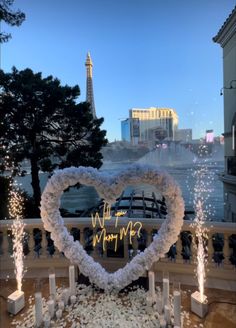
41 121
4 190
13 18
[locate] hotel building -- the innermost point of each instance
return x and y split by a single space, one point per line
226 37
149 125
183 135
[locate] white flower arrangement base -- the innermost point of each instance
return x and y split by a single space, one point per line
109 188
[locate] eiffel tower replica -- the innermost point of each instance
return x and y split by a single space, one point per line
89 84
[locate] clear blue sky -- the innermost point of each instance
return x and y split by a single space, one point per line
145 53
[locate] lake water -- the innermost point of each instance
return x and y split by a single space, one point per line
182 165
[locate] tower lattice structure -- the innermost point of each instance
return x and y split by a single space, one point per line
89 84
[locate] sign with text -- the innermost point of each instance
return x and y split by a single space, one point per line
131 229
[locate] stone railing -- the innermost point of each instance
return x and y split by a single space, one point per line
40 254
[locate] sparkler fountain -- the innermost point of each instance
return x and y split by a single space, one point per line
201 193
198 299
16 300
201 233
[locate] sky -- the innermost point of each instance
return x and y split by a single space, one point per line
146 53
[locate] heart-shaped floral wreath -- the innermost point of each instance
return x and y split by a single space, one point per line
110 187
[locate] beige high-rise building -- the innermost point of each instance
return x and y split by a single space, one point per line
184 135
152 125
226 37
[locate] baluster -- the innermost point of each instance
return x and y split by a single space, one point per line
126 250
210 249
10 241
179 258
149 237
96 247
44 244
135 244
1 238
31 244
194 248
226 250
56 253
82 239
5 245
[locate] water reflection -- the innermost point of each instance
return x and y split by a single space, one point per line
180 166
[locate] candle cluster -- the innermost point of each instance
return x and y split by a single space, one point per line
157 304
170 314
90 308
57 302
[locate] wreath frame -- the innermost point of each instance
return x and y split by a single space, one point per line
110 187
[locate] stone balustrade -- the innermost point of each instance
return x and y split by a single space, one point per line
40 252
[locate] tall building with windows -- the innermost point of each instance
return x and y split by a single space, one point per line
89 84
151 125
226 37
125 130
184 135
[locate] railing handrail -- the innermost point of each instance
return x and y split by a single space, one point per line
213 226
180 262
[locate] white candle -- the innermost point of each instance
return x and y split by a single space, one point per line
72 279
167 314
177 308
47 320
159 305
61 305
65 296
165 291
151 280
52 284
149 301
38 309
163 323
73 299
51 308
59 314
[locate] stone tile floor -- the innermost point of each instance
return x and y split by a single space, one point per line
221 315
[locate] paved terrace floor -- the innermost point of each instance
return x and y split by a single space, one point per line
221 315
